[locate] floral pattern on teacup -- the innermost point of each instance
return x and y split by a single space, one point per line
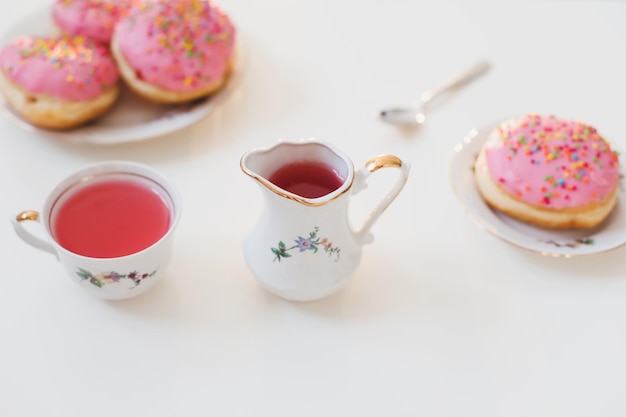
304 244
110 277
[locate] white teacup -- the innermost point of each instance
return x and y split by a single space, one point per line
109 275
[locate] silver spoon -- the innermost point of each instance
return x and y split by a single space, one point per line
416 115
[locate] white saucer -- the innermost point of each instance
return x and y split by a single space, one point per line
611 234
132 118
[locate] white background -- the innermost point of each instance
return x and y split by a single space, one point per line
441 318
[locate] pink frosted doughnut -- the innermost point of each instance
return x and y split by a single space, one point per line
549 172
93 19
174 50
58 82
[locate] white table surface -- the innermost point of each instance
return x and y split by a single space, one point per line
441 318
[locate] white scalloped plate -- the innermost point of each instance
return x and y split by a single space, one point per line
610 235
131 118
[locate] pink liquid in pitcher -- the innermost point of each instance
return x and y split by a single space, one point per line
111 217
308 179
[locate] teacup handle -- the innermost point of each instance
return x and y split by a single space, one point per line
28 237
360 178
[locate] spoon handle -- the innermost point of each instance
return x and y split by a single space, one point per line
460 80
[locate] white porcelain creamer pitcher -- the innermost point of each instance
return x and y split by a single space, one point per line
303 247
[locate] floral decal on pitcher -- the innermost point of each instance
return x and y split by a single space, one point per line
304 244
104 278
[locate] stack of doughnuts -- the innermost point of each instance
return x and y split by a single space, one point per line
167 51
549 172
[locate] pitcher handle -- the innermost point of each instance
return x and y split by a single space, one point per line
27 236
360 178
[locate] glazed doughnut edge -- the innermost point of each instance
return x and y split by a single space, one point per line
47 112
160 95
584 217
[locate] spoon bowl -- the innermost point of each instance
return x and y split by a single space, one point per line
404 116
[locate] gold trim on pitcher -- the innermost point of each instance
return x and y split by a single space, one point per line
277 190
383 161
27 215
